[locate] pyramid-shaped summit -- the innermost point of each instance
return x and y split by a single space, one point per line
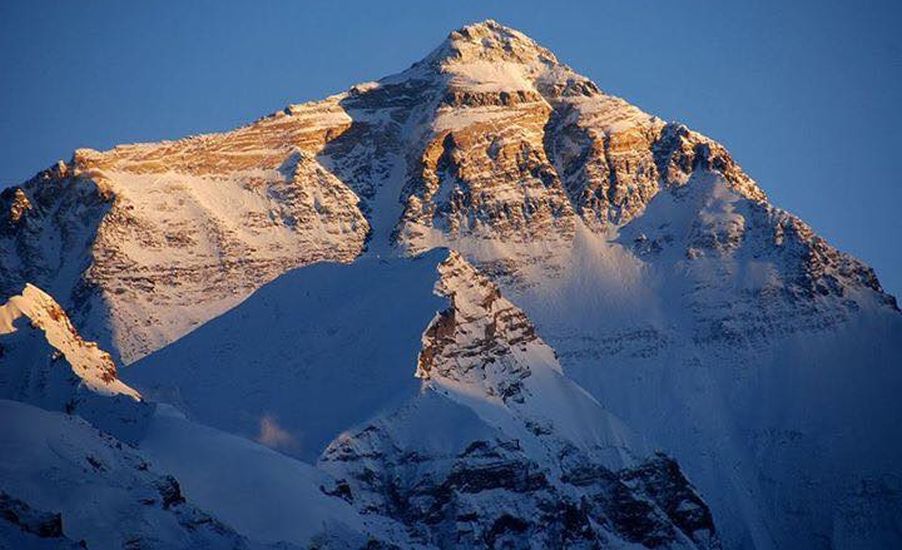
490 41
488 56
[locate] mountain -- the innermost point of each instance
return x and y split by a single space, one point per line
142 251
616 285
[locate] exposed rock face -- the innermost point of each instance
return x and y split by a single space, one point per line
485 174
489 492
23 526
42 524
44 361
472 340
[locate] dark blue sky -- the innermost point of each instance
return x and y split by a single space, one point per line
804 94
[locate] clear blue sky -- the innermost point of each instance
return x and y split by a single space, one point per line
805 94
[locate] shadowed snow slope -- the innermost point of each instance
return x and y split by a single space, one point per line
265 495
493 402
308 355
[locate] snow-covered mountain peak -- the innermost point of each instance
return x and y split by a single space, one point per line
488 57
491 41
489 139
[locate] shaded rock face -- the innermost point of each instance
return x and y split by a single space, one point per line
41 524
21 526
662 480
489 493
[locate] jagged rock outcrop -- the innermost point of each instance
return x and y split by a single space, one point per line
472 341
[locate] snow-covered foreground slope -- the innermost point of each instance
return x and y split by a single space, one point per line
663 283
263 494
106 493
64 480
494 447
185 486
